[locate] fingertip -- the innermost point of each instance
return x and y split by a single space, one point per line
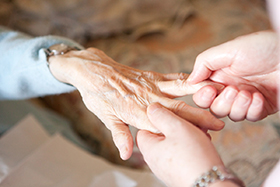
123 141
219 125
219 87
140 136
194 78
256 109
191 78
154 111
240 106
200 72
125 152
221 106
152 108
214 123
205 96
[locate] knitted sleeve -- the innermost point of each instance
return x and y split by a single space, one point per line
23 66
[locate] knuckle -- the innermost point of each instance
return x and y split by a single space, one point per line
93 50
119 135
180 106
183 75
180 82
151 75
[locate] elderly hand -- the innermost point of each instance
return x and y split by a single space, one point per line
248 67
181 154
119 95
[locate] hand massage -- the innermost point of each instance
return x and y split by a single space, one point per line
237 79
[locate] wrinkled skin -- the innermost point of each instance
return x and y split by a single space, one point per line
181 154
119 95
248 67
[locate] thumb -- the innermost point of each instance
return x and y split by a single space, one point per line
164 120
146 140
212 60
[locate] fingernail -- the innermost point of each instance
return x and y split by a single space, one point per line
219 87
190 78
242 100
153 108
230 94
256 103
207 95
123 151
154 130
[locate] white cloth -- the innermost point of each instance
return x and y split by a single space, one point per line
32 158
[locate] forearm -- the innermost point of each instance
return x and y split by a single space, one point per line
23 65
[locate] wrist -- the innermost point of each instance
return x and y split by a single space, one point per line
224 184
58 65
218 176
62 69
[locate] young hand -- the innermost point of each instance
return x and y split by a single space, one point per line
248 67
179 155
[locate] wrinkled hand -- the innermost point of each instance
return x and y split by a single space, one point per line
119 95
248 67
181 154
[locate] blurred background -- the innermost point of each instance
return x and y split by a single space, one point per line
160 35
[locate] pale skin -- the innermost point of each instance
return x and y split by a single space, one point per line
181 154
119 95
248 67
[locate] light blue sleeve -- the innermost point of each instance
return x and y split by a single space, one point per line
23 66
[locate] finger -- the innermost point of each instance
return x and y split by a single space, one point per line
205 130
123 139
147 143
222 104
146 140
164 120
137 116
211 60
181 87
205 96
174 76
240 106
196 116
256 110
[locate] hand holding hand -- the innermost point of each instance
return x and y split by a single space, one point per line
179 155
119 95
248 67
